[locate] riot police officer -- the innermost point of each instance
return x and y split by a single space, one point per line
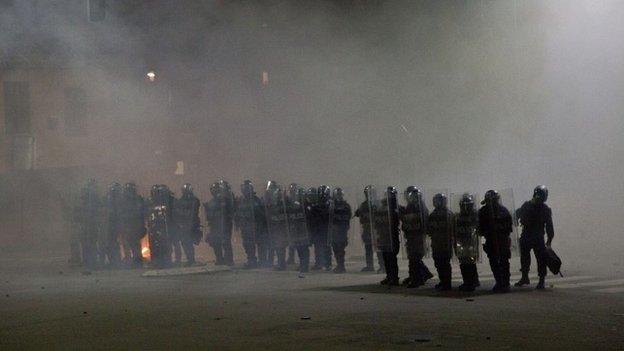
440 230
495 225
219 216
340 221
363 213
249 217
467 242
159 222
292 189
298 234
385 216
132 224
414 218
109 240
536 219
320 218
87 215
187 224
277 222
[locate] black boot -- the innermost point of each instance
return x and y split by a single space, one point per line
542 284
524 280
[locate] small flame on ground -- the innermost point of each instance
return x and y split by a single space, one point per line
145 250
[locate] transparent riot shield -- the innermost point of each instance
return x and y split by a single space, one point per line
384 216
340 212
247 211
158 225
467 242
414 214
298 233
219 213
428 196
439 223
277 218
363 224
507 200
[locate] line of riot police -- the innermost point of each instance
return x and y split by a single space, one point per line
111 227
453 232
287 222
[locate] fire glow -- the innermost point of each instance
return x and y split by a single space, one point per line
145 250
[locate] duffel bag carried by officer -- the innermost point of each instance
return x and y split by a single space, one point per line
553 262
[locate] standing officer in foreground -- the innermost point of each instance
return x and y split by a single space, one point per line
109 246
249 211
319 220
495 224
340 221
363 213
298 235
219 216
277 222
159 225
536 218
385 216
414 218
88 215
440 229
467 242
132 224
186 219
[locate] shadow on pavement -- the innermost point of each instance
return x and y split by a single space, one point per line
428 291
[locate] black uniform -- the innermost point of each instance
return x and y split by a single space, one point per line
250 219
536 220
363 213
466 249
440 229
87 215
340 217
132 225
187 224
414 219
277 223
109 246
299 236
319 225
386 226
495 224
219 216
159 222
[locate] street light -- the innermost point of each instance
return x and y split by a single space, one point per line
151 75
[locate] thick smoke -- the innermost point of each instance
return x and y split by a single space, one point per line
465 95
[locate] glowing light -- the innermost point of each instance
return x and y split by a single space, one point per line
265 78
151 75
145 250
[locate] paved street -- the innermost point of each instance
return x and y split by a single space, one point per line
45 305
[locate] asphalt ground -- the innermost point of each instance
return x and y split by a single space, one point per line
44 304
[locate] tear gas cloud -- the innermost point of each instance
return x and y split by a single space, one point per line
464 95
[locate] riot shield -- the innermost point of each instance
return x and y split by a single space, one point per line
277 218
245 209
439 222
340 212
363 211
158 234
384 217
467 242
414 215
507 200
298 233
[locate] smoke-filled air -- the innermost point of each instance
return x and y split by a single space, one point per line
464 96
